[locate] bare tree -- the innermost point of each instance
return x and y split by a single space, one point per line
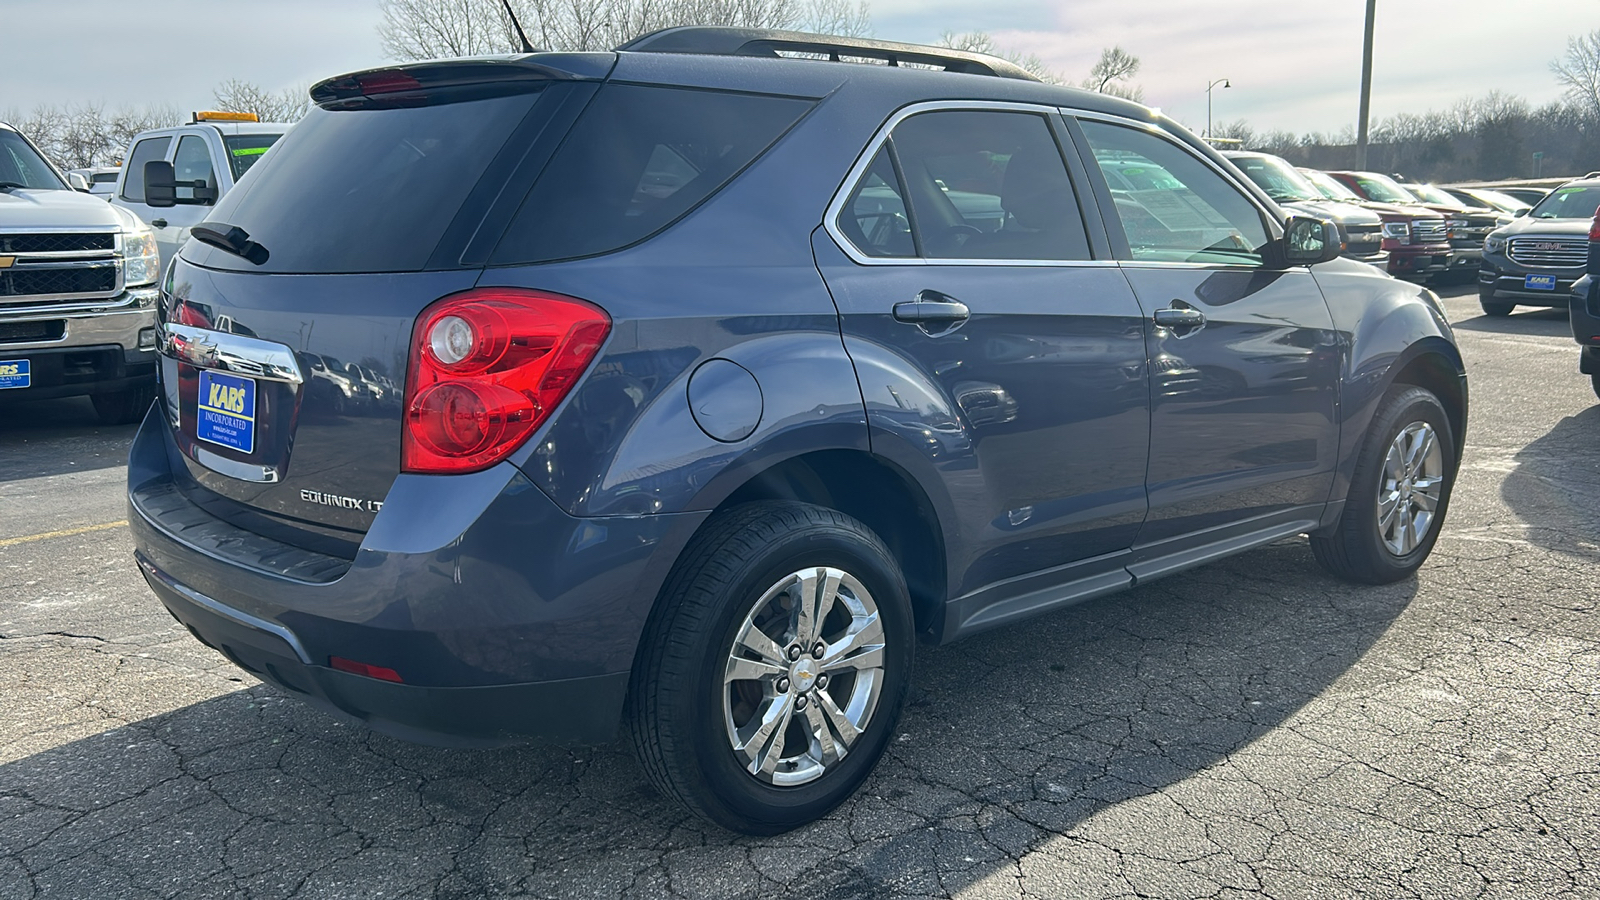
1115 67
430 29
287 105
983 42
1579 71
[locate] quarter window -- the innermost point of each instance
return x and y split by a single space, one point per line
875 218
1173 207
147 150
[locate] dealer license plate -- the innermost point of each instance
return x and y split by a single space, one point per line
14 373
227 411
1539 282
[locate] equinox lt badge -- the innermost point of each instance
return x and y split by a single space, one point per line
323 499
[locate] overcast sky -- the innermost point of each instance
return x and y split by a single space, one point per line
1293 65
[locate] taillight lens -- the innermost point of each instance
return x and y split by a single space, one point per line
487 368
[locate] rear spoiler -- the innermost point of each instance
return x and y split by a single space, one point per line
417 84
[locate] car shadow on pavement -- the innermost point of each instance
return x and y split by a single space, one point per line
52 437
1540 322
1552 488
1012 738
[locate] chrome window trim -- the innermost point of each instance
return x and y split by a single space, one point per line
830 221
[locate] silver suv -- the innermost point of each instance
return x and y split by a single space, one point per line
77 290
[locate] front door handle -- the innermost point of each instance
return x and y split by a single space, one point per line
932 308
1180 317
158 223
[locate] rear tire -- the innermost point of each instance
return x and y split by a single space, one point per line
1399 492
123 407
728 650
1594 382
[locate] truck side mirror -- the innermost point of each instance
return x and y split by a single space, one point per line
1308 241
77 182
160 188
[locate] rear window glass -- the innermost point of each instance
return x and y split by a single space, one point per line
245 149
366 190
638 159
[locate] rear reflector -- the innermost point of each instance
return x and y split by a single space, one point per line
358 668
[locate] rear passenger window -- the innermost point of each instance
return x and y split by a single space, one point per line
638 159
147 150
1173 207
989 185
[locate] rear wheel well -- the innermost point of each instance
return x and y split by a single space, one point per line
1438 375
879 494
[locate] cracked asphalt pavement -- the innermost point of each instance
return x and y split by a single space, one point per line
1251 728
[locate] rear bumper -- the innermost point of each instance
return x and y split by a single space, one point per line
506 619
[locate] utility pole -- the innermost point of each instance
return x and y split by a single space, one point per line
1366 86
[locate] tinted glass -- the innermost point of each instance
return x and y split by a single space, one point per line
1173 206
1329 186
1568 203
875 218
147 150
1279 179
19 164
989 185
245 149
1377 187
192 162
367 190
104 177
639 158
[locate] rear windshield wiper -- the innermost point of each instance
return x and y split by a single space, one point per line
231 238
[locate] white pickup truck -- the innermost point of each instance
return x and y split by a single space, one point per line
206 158
77 290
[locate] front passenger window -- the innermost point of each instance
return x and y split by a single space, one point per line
1174 207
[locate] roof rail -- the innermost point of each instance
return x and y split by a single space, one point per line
719 41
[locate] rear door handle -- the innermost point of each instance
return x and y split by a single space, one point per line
932 308
1180 317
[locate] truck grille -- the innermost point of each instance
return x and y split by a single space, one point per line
1555 252
1428 231
1363 239
19 282
56 243
58 270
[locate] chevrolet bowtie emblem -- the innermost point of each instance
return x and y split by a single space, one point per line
6 261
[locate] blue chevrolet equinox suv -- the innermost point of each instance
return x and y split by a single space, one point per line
680 391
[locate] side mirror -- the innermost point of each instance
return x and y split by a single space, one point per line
160 187
1521 212
1308 241
77 182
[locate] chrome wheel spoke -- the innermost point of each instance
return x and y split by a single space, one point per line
1388 507
860 648
742 669
842 726
814 595
1419 451
828 749
754 640
763 749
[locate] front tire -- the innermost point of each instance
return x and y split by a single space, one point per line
123 407
1399 492
774 669
1493 307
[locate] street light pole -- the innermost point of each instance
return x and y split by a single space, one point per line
1225 84
1366 86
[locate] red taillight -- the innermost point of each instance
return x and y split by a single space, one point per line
1594 227
487 367
360 668
387 81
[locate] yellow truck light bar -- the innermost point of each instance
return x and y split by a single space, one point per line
217 116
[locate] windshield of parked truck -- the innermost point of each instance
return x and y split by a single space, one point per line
1379 188
245 149
21 166
1329 186
1569 203
1502 202
1279 179
1427 193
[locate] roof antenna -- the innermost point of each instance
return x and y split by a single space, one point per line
526 47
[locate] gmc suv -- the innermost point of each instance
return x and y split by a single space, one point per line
731 369
1535 260
77 291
